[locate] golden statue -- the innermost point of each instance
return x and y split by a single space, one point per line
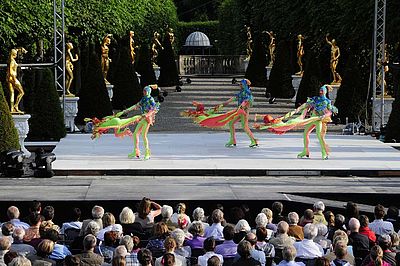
271 47
154 47
335 54
171 35
132 46
300 53
69 67
12 81
249 48
105 60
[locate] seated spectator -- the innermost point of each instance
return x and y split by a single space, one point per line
198 215
339 225
340 253
108 225
129 227
168 259
169 246
5 244
267 248
179 236
241 229
307 218
35 219
13 216
254 253
269 215
209 247
392 216
379 226
59 251
358 241
262 221
45 248
289 254
132 246
97 214
106 249
215 230
179 217
228 248
277 209
342 236
244 251
236 214
306 248
7 229
166 213
321 237
364 230
146 212
351 211
48 214
34 207
343 242
118 261
156 242
120 251
322 261
330 219
197 231
295 230
395 242
18 246
214 261
282 239
145 257
92 228
385 242
72 261
75 216
88 257
20 261
319 208
375 258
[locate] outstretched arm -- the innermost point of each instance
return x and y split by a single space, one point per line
297 110
133 107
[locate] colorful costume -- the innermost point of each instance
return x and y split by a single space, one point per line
209 118
320 110
148 108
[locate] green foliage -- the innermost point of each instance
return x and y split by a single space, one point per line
256 71
8 132
126 89
47 121
209 28
93 96
166 61
280 78
197 10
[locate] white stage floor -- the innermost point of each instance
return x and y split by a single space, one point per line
205 151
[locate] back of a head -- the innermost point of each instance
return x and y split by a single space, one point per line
45 248
126 216
261 233
242 225
120 251
144 207
340 235
108 219
89 242
385 242
179 237
145 257
196 228
72 260
20 261
339 220
169 244
213 261
110 238
228 232
34 218
352 210
35 206
392 212
168 259
293 218
354 225
244 248
48 213
92 228
209 244
364 220
166 211
268 213
283 227
261 220
51 234
277 207
379 211
76 214
252 238
127 241
13 212
377 255
322 261
5 243
118 261
97 212
322 229
198 214
217 216
18 234
160 229
308 214
289 253
310 231
319 206
340 250
7 229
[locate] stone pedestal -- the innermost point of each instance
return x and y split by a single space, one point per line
245 64
333 94
110 90
268 68
71 109
138 77
156 71
296 79
21 123
377 110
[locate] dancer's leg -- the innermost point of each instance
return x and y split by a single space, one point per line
232 140
145 130
136 134
320 136
306 140
245 125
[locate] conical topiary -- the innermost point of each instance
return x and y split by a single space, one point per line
166 61
127 90
8 132
393 125
280 78
47 120
256 71
145 67
93 97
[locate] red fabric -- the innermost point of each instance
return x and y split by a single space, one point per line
222 119
367 232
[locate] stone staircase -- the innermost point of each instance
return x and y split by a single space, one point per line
212 91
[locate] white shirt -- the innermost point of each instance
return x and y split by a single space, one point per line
73 225
290 263
381 227
215 230
202 260
308 249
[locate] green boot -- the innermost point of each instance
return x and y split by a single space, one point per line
230 144
135 153
324 155
147 154
254 143
303 154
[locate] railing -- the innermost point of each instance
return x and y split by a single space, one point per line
212 64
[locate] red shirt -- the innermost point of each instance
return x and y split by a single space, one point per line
370 234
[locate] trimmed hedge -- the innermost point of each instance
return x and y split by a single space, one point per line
8 132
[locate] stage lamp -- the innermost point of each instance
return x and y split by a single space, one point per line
43 167
12 163
178 88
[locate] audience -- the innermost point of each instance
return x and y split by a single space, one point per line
228 248
216 229
295 230
209 247
379 226
289 254
307 248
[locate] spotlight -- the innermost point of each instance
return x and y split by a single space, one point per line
43 162
178 89
12 163
271 100
234 81
188 81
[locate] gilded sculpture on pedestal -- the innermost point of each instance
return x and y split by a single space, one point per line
154 47
13 83
171 35
335 54
300 54
105 60
271 47
132 46
69 67
249 48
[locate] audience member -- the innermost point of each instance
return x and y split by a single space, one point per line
147 211
295 230
97 214
209 247
244 251
319 208
88 257
289 254
197 231
277 209
306 248
228 248
74 223
215 230
378 226
241 229
13 216
364 230
282 239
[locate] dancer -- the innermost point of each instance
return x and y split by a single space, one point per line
320 110
209 118
148 108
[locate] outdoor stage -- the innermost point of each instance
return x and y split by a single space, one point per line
197 154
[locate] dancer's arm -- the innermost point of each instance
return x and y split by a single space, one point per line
133 107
